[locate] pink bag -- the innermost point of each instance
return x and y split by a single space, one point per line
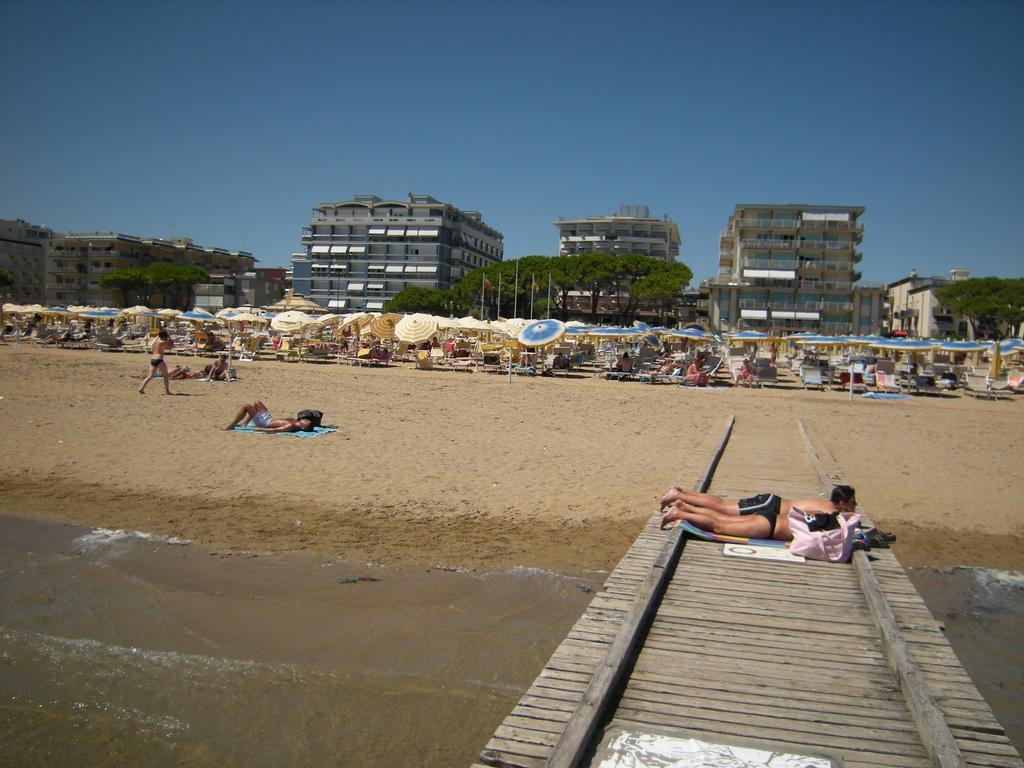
835 546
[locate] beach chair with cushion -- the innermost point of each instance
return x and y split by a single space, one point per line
923 384
887 382
842 382
810 376
1015 381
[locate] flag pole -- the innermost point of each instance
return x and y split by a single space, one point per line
497 314
531 296
549 295
515 293
483 282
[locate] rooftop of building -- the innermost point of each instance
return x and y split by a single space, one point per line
798 207
180 243
412 201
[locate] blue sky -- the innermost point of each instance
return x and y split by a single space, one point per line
228 122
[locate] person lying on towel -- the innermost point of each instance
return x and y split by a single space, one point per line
262 421
764 516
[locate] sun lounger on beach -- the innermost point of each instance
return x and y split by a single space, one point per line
811 377
922 384
982 386
886 382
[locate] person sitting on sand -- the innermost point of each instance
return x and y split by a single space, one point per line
262 421
746 373
625 365
765 516
219 371
161 345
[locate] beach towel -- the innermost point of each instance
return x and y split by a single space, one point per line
699 533
886 396
308 435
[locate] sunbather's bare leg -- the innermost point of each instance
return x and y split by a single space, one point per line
750 526
245 413
703 500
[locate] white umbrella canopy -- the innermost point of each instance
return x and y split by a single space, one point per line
326 321
169 312
416 328
353 318
291 321
244 317
138 309
469 323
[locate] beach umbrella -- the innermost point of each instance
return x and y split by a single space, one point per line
822 341
197 316
383 327
326 321
138 310
613 332
962 346
577 330
472 324
227 312
749 336
688 333
902 345
1009 346
244 317
291 321
541 333
416 328
56 311
99 314
169 313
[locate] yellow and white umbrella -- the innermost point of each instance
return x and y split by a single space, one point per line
383 327
416 328
169 313
291 321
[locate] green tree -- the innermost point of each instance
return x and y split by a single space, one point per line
6 281
566 275
985 301
597 274
663 286
419 299
132 283
630 268
176 282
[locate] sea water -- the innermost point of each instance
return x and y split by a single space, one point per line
118 648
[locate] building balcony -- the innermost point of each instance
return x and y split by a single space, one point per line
839 226
788 245
905 314
836 327
857 256
770 264
768 223
826 285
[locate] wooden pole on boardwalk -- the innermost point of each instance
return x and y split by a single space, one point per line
583 723
936 736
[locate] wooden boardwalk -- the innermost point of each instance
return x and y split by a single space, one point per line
793 657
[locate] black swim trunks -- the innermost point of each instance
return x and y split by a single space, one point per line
767 505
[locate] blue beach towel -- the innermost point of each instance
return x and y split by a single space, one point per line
886 396
317 431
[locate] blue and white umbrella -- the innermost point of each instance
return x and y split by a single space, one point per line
689 333
1006 346
611 332
650 338
99 314
57 311
197 316
822 341
542 332
903 345
749 336
577 330
962 346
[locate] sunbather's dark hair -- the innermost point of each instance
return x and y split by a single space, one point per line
842 493
163 334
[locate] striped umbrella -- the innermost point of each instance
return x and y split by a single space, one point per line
383 327
291 321
688 333
197 316
416 328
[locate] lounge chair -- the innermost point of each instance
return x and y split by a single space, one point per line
766 374
887 382
1015 381
811 377
843 382
923 384
977 386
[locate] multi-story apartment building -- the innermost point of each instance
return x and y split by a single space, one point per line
790 268
78 261
361 252
632 230
917 311
24 249
257 288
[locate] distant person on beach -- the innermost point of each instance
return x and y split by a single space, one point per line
262 421
764 516
694 374
625 365
219 371
161 345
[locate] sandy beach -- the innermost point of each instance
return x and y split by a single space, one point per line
468 470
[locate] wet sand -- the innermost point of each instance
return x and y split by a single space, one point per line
469 470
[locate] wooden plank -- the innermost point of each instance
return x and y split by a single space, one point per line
583 724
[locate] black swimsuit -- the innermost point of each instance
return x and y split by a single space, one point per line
767 505
155 361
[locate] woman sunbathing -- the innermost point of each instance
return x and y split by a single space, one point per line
765 516
262 421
